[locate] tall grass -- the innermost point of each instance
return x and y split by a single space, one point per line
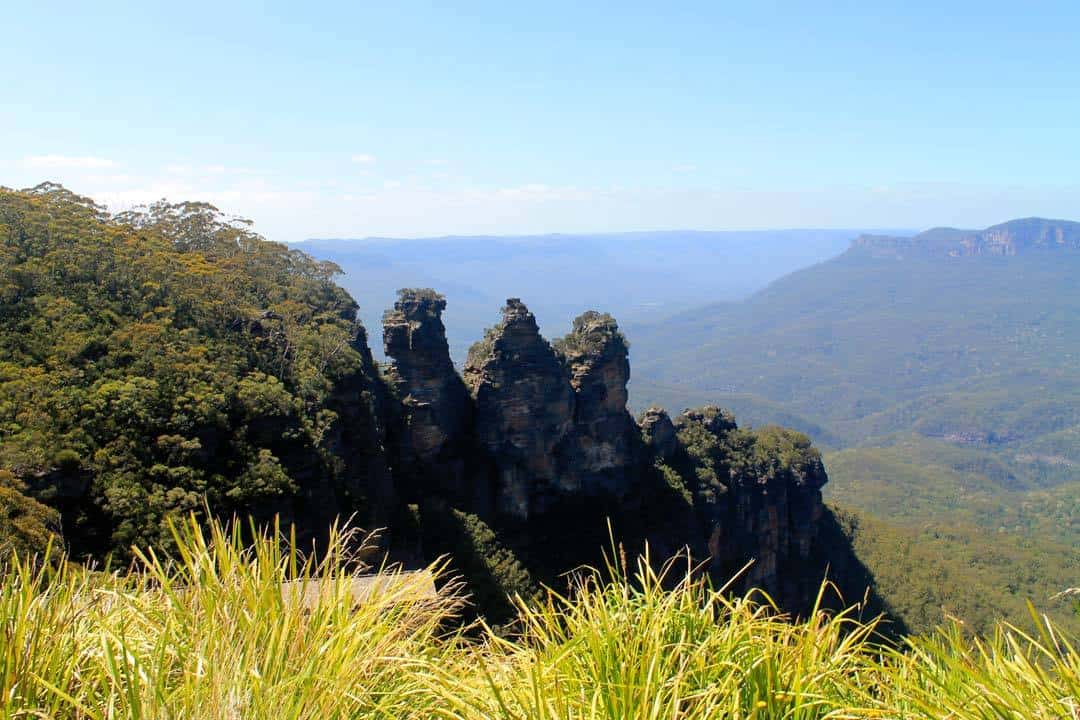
631 648
210 634
1011 675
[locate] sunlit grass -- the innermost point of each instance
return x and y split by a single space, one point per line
210 634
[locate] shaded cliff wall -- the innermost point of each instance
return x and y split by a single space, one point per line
431 430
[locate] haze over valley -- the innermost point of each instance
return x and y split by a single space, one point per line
636 276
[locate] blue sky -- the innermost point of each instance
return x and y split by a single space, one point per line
322 119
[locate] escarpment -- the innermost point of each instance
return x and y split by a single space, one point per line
1016 237
534 441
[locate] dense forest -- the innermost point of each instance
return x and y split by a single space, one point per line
156 362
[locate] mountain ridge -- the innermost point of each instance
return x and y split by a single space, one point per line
1009 238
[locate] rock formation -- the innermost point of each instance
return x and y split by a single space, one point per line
758 497
435 409
536 439
524 410
601 456
423 376
658 432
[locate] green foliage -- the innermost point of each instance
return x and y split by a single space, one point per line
915 480
590 334
27 528
977 351
715 454
951 389
218 634
170 354
493 574
953 531
932 571
858 335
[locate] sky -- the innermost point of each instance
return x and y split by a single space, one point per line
411 119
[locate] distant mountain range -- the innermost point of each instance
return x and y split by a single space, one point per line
634 276
856 343
1010 238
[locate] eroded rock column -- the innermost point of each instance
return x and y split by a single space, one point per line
524 409
435 405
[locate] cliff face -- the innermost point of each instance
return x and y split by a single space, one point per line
535 438
360 440
433 397
597 357
1009 238
758 499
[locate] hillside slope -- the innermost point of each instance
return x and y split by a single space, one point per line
981 350
160 360
944 368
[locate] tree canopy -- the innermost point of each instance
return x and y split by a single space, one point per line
166 357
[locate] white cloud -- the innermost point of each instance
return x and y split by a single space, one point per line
67 162
363 159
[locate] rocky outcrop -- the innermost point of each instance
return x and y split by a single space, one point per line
423 376
597 357
553 418
758 500
524 410
432 432
1024 235
658 432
